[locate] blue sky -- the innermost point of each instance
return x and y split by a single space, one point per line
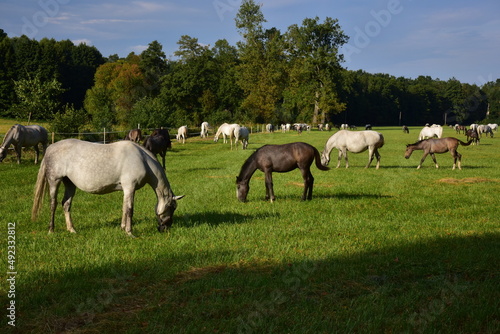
441 39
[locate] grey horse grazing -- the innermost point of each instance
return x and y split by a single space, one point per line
24 136
101 169
355 142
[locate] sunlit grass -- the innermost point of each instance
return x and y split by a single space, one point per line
389 250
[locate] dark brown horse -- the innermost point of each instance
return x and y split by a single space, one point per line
472 135
134 135
281 159
442 145
158 143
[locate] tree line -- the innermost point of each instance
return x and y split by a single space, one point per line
269 76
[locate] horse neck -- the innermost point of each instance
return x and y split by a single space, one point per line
159 182
248 168
9 138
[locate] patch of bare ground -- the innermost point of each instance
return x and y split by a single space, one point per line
467 180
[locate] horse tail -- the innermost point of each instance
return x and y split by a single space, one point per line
465 144
40 189
317 158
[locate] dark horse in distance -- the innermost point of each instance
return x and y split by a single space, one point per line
281 159
158 143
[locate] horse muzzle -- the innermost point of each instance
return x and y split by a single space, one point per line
164 225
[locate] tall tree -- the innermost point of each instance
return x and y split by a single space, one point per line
315 65
262 68
154 66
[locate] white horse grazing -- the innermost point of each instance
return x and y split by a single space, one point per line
24 136
204 130
344 127
227 130
269 128
484 129
102 169
430 132
182 133
493 126
241 133
355 142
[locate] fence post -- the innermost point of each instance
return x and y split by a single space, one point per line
53 137
104 135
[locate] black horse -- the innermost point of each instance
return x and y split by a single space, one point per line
158 143
281 159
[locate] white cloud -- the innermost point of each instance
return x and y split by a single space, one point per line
82 41
138 48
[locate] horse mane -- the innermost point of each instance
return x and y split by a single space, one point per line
418 142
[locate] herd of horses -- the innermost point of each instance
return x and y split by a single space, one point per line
127 165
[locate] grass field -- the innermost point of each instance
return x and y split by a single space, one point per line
394 250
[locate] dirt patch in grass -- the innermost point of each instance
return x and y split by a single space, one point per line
468 180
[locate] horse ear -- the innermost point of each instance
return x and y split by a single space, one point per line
178 197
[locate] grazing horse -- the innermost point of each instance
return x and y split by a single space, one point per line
472 134
281 159
134 135
227 130
405 129
269 128
355 142
101 169
204 130
158 143
24 136
441 145
241 133
493 126
484 129
430 132
182 133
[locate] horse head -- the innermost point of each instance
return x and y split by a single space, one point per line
409 150
165 213
242 188
3 153
325 158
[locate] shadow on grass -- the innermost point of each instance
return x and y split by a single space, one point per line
213 218
448 284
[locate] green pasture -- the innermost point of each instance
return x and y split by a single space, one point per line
394 250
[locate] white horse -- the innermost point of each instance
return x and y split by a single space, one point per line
182 133
227 130
484 129
430 132
355 142
269 128
344 126
204 130
24 136
241 133
102 169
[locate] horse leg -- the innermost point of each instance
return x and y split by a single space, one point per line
18 149
162 154
433 156
346 160
456 157
308 183
422 160
370 157
269 186
69 193
128 211
377 155
53 189
339 159
37 151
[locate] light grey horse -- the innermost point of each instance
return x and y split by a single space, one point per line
24 136
355 142
101 169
